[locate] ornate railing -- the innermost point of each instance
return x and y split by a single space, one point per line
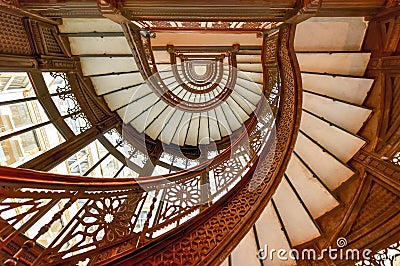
211 236
71 219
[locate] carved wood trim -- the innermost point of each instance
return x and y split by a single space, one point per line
10 63
386 173
305 10
384 41
111 10
375 222
10 3
17 10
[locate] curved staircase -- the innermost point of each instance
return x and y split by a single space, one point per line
332 114
332 67
124 89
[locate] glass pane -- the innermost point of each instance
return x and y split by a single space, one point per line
192 163
139 159
127 173
113 137
14 117
80 162
21 148
124 147
66 104
56 82
180 162
159 170
15 86
107 168
167 158
78 123
120 143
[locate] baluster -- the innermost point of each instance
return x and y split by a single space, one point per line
32 242
142 237
205 190
204 183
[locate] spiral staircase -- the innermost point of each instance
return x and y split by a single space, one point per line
123 87
332 113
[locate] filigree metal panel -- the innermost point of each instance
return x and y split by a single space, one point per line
389 256
193 25
396 159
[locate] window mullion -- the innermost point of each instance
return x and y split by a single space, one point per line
50 108
23 100
18 132
57 155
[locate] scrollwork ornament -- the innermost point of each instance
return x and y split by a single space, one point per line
66 86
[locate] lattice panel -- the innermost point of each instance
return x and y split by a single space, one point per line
50 41
379 200
395 107
14 40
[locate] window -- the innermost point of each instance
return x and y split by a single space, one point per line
66 102
25 129
82 161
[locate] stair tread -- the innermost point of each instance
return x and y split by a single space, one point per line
104 65
347 116
269 233
75 25
158 125
245 252
330 170
104 84
317 198
97 45
328 29
168 132
337 141
123 97
348 89
348 64
298 224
